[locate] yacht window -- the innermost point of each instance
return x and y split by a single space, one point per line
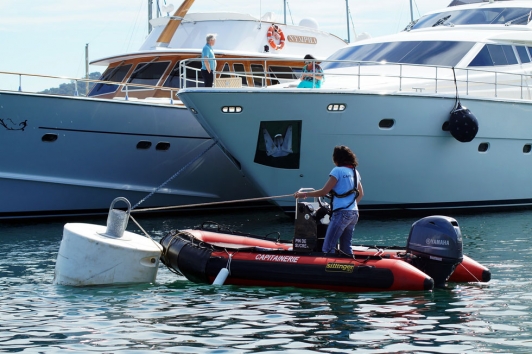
444 53
510 16
483 147
386 123
173 79
483 58
162 146
193 72
116 74
225 70
495 55
510 54
523 54
282 72
147 74
258 74
143 145
49 138
239 70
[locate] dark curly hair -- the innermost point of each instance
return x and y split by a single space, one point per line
342 155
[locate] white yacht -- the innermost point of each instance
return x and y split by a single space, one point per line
390 100
74 155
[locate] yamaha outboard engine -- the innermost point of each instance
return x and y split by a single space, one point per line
310 226
436 241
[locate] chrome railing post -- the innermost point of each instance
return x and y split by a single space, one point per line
265 73
436 79
400 77
467 82
76 93
521 86
171 97
359 75
19 83
182 74
127 94
495 84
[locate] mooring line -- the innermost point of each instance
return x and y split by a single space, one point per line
213 203
470 272
174 176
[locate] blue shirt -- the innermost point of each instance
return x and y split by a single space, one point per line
207 52
345 182
316 71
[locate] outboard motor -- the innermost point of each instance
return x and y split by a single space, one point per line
436 241
312 220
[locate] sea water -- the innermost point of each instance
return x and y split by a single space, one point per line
177 316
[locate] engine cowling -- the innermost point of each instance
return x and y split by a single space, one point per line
436 243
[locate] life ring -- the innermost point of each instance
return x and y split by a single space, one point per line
275 32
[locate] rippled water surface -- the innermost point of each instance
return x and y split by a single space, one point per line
176 316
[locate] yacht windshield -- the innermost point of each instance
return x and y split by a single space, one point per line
488 16
441 53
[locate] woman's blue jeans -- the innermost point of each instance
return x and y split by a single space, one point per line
341 228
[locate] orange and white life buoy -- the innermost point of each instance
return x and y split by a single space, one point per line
275 33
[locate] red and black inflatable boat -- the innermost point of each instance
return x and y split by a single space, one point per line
433 256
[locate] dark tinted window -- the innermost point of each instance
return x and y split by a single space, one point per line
239 69
116 74
494 55
511 16
147 74
510 55
258 73
193 73
173 79
523 54
282 72
483 58
497 54
225 70
445 53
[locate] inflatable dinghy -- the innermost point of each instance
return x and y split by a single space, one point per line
432 257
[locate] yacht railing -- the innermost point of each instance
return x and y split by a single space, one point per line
385 77
344 75
124 86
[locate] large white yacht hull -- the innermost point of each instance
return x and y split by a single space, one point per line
95 156
413 165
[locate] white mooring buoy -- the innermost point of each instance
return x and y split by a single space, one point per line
96 255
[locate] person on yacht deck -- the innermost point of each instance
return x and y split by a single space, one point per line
345 185
312 73
208 64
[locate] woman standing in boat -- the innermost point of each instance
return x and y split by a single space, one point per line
345 185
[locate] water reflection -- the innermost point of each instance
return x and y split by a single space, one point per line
175 315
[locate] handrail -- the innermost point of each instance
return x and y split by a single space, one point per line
384 77
124 85
441 77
